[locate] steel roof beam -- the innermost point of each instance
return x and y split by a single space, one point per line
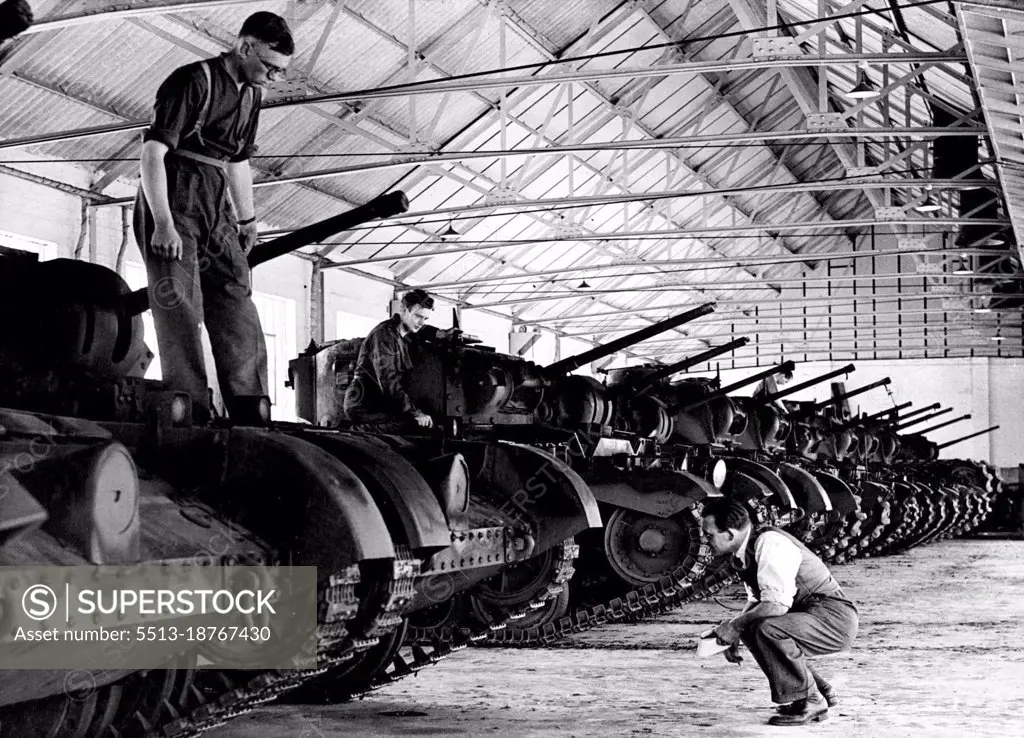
819 301
870 183
701 264
853 224
522 82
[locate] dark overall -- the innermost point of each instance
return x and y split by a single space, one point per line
206 122
376 399
821 621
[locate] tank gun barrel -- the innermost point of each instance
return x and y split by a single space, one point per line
803 385
663 373
943 425
848 395
786 366
972 435
908 416
567 365
383 206
901 418
877 418
922 419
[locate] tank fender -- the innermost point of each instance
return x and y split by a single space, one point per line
872 493
661 494
400 491
807 490
742 487
299 497
771 480
839 493
533 488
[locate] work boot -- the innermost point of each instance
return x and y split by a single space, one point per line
827 691
812 709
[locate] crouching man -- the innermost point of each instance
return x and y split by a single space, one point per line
795 609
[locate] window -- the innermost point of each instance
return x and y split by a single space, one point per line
277 315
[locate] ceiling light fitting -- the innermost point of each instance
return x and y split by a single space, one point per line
962 267
929 205
864 87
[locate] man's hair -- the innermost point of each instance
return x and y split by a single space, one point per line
271 29
727 513
417 297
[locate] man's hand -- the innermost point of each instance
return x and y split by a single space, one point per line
732 654
423 420
727 632
248 234
165 243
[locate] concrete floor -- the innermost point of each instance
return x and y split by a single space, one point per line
940 653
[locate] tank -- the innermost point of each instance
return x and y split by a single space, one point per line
617 435
104 467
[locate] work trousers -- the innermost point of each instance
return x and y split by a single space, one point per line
211 283
781 645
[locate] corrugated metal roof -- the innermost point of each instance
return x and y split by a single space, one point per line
106 71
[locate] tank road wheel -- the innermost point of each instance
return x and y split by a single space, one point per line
643 548
514 587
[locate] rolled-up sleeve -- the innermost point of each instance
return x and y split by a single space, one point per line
778 561
177 104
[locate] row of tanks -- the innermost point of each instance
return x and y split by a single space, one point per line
544 503
651 450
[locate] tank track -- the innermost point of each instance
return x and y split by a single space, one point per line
338 605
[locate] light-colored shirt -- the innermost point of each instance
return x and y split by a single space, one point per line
778 561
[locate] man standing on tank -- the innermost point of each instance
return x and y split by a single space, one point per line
378 397
795 609
195 221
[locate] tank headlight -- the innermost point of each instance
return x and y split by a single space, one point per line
718 471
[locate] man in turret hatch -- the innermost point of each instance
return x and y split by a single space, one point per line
795 609
378 399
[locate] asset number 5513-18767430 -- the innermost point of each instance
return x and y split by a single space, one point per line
201 633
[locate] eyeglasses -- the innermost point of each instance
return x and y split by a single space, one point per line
273 71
